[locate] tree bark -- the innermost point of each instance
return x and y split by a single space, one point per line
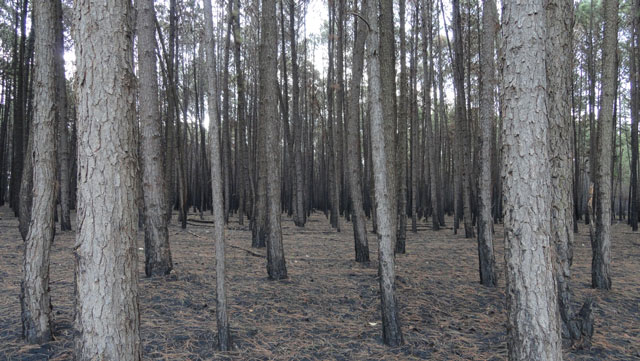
34 290
224 338
634 80
299 211
601 245
353 155
392 333
401 155
533 327
276 267
156 235
62 121
486 257
107 321
462 125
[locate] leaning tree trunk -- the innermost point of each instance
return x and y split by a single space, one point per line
224 338
276 267
533 327
353 155
391 331
601 244
157 252
34 291
486 257
107 322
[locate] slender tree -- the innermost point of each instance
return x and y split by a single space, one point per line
156 235
224 338
601 244
353 155
64 175
276 267
486 257
34 290
391 331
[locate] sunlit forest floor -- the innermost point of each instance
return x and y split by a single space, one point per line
328 309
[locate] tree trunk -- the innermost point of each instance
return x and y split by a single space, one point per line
156 235
559 15
533 327
634 80
462 121
486 257
224 338
19 111
107 322
401 155
353 155
601 245
392 333
62 121
299 212
276 267
34 290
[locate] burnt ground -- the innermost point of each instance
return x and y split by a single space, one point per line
329 308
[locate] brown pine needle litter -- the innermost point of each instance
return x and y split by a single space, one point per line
328 309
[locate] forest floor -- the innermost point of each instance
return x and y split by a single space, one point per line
328 309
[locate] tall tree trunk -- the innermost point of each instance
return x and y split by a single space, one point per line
601 245
391 331
634 81
299 211
243 151
226 136
34 290
224 338
559 18
276 267
62 121
334 188
388 82
486 257
107 321
427 42
19 111
462 121
157 253
533 327
353 154
401 153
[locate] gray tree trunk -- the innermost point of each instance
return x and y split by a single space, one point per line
401 155
559 17
34 290
462 124
601 244
532 313
486 257
276 267
299 211
391 331
353 155
224 338
63 132
156 236
107 321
